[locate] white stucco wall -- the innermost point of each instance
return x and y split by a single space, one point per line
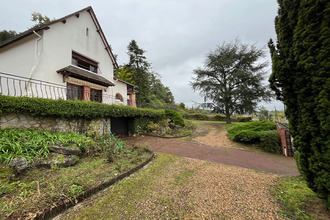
120 88
19 57
63 38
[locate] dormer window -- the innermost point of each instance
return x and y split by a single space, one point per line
83 62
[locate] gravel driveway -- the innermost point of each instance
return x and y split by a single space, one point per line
209 182
174 187
214 146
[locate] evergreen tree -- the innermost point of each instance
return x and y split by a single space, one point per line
123 73
6 35
232 79
151 92
138 66
300 77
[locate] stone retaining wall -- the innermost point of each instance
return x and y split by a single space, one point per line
25 121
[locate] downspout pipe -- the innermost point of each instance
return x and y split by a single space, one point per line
36 60
37 44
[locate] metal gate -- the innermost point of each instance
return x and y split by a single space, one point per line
288 143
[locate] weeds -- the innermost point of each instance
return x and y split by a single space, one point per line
293 192
164 128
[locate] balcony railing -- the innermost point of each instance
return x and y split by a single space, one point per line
18 86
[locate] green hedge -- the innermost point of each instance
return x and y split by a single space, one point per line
216 117
250 132
175 116
197 116
243 118
71 109
247 136
270 141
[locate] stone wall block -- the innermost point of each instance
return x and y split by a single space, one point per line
54 124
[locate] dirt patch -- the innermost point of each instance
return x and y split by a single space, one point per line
215 137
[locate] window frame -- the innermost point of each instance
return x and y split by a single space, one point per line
70 92
95 93
84 62
121 98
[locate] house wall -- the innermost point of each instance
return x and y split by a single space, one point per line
19 57
55 48
122 89
63 38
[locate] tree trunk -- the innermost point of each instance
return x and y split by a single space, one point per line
228 121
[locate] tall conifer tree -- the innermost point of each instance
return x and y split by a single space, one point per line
301 78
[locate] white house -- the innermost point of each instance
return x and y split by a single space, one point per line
68 58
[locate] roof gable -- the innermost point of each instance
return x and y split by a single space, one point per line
63 20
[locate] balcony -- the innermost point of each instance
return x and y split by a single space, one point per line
18 86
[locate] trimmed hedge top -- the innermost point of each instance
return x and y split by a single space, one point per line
71 109
250 132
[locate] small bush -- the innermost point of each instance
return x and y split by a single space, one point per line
153 127
250 132
247 136
175 116
270 142
243 118
198 116
219 117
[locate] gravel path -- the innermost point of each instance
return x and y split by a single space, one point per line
175 187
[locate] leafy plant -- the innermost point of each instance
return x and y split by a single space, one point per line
71 109
175 117
34 143
197 116
249 132
270 142
247 136
76 190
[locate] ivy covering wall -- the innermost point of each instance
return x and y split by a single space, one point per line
71 109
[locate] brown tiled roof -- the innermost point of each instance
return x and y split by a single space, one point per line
80 73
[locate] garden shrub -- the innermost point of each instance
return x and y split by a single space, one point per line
247 136
270 141
175 116
71 109
250 132
219 117
244 118
198 116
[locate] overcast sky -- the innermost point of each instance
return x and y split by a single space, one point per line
177 34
